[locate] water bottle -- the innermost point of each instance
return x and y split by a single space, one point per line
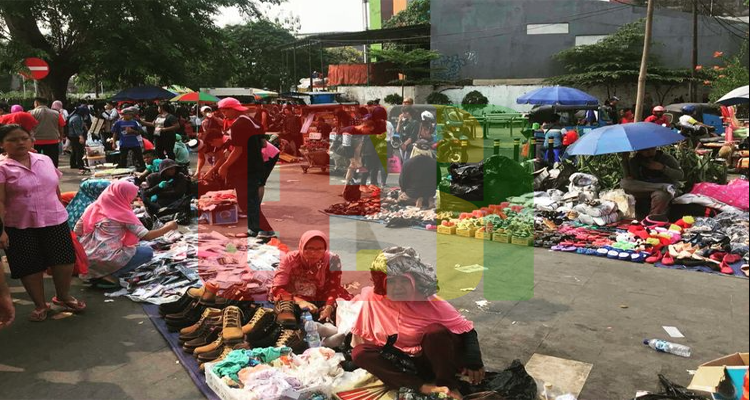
311 327
666 347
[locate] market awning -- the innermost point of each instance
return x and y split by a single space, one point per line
417 34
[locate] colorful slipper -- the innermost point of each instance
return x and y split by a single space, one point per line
72 305
39 315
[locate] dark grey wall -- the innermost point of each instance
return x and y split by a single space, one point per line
486 39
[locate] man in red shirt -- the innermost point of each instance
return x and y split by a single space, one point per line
244 167
26 120
658 116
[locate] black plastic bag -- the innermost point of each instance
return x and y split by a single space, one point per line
398 358
468 192
673 391
467 174
513 383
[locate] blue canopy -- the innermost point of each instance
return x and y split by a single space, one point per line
143 93
558 95
623 138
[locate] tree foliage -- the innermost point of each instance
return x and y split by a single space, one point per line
123 42
416 13
438 98
615 60
394 99
729 75
474 99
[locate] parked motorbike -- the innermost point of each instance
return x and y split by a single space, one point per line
453 148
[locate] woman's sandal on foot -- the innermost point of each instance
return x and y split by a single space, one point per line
72 305
39 314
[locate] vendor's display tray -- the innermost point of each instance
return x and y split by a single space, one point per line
228 393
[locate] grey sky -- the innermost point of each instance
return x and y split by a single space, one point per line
315 15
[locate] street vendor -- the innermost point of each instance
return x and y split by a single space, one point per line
656 174
430 333
215 146
152 165
166 188
309 278
419 177
109 232
210 123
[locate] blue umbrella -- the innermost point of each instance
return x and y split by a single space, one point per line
623 138
558 95
143 93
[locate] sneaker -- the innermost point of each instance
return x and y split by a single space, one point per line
262 319
266 234
292 339
285 315
241 216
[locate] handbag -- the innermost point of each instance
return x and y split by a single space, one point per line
81 266
398 358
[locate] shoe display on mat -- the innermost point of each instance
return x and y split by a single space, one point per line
213 346
189 316
184 301
208 336
266 338
232 328
262 319
285 315
293 339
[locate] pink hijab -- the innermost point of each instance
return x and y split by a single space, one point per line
381 317
294 260
114 204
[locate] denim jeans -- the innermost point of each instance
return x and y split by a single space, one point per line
143 254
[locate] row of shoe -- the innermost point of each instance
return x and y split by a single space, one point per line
211 329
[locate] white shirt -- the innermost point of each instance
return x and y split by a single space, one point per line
688 121
390 130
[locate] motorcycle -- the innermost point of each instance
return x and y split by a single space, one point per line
453 148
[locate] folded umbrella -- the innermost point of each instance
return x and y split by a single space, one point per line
623 138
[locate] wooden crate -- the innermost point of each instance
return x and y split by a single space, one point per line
483 235
501 238
446 230
522 241
469 233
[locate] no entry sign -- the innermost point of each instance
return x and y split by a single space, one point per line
36 68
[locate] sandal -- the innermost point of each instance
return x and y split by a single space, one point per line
72 305
39 315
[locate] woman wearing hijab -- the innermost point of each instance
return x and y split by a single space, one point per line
308 278
16 108
109 232
57 105
88 193
429 331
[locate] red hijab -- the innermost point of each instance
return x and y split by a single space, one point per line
114 204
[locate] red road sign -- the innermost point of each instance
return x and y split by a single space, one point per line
36 68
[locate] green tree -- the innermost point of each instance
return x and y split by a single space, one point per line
407 63
416 13
124 41
614 61
732 74
343 55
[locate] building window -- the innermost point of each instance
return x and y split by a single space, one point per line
589 39
547 29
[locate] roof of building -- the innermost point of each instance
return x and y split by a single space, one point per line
415 34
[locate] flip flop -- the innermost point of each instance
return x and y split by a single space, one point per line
39 315
73 305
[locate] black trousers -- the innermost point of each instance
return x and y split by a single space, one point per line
137 158
165 144
76 153
50 150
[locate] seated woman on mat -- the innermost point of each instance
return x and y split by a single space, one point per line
109 232
90 191
308 278
403 311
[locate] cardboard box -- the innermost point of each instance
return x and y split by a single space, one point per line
710 375
446 230
522 241
223 215
501 238
469 233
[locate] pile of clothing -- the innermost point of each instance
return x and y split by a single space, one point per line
213 200
361 207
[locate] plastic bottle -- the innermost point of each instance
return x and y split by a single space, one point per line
311 327
663 346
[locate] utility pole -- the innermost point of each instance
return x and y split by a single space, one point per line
644 61
694 61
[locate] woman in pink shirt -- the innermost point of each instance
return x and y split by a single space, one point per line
36 235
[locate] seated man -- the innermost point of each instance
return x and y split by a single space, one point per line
655 173
691 127
182 155
168 188
152 165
